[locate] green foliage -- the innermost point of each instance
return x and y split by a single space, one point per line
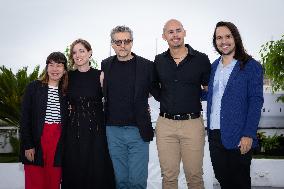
9 158
270 143
261 136
12 87
94 63
67 54
272 57
15 143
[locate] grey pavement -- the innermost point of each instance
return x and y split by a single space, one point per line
253 187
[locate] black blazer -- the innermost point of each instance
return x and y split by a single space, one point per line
33 110
143 86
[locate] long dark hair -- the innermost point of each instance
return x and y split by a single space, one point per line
240 52
57 57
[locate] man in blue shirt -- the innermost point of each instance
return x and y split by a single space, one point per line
234 102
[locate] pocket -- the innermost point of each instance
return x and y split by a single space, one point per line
201 120
201 125
158 123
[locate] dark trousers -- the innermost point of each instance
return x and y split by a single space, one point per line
231 168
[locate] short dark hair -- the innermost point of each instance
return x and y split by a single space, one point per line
240 52
119 29
57 57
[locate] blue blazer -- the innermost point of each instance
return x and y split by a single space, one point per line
241 103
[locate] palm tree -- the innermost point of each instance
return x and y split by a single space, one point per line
12 87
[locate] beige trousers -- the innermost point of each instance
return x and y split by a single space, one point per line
181 140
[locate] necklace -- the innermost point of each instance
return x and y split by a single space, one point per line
176 58
182 57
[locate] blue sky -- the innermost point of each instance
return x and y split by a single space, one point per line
31 29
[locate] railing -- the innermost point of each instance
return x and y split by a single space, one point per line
7 131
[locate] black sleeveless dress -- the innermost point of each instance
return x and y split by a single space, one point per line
86 161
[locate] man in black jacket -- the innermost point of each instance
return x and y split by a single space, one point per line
127 80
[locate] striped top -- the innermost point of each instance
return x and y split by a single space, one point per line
52 114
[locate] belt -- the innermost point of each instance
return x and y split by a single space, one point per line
180 116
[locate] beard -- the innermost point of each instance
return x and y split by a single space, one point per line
229 52
176 45
123 54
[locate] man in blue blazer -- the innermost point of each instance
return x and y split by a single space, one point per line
234 102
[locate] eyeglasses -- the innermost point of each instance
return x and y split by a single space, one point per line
119 42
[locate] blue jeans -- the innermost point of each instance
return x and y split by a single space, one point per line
130 156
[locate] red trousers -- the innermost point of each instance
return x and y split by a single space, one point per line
48 176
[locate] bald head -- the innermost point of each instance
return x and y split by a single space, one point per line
170 22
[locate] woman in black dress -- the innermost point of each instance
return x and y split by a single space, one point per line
86 160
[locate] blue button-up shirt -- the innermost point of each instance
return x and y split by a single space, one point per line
221 78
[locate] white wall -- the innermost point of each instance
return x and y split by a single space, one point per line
264 172
271 107
267 172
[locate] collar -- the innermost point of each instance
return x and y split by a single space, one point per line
191 51
115 56
232 63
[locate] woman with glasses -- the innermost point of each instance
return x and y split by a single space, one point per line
86 160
